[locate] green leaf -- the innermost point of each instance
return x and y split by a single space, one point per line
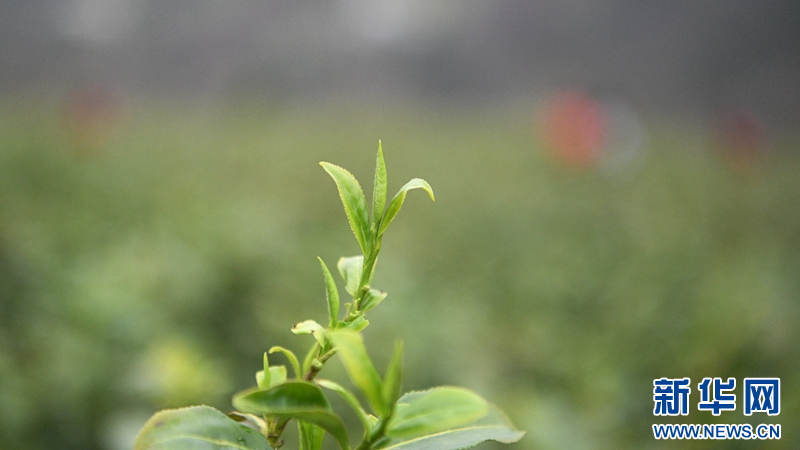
274 376
399 198
310 435
434 410
495 426
309 358
332 294
310 327
371 299
359 367
297 400
355 205
350 269
358 324
198 428
350 399
290 356
393 379
263 379
379 190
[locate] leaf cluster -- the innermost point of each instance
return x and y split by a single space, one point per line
441 418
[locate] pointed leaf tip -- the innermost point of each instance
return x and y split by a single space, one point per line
379 189
399 198
355 205
332 295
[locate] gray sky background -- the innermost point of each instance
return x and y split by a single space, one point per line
670 57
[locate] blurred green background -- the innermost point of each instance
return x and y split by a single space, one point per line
158 231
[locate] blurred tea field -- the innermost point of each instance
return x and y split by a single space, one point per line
151 267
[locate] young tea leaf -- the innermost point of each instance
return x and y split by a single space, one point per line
355 205
296 400
350 269
371 299
393 380
359 367
310 435
290 356
495 427
379 190
399 198
198 428
350 399
263 379
332 293
435 410
310 327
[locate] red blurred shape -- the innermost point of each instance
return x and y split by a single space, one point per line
573 126
92 114
742 137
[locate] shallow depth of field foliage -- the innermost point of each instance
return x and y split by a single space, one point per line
151 272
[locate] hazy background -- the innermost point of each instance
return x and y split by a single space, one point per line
617 201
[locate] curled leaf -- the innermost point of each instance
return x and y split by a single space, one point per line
290 356
399 198
371 299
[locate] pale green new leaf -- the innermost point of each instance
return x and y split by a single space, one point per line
297 400
393 379
310 435
350 269
290 356
262 377
495 427
379 189
359 367
198 428
332 294
350 399
310 356
371 299
434 410
358 324
274 376
355 205
310 327
399 198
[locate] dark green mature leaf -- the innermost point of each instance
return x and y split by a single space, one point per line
297 400
355 205
495 426
197 428
332 294
310 435
393 380
350 269
379 190
435 410
399 198
359 367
